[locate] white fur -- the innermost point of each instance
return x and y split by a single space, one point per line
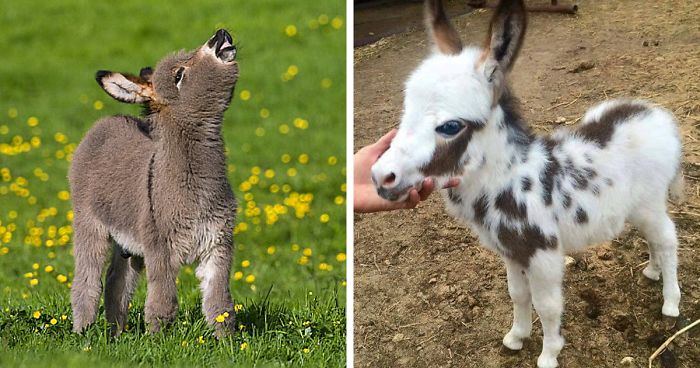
641 160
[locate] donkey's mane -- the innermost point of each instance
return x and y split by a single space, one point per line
518 131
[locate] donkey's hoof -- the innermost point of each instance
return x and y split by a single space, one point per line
547 362
670 310
512 342
652 273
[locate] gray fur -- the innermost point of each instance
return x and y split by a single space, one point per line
158 188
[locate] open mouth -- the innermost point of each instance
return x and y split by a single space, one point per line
222 46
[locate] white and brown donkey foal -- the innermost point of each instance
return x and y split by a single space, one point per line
157 188
533 198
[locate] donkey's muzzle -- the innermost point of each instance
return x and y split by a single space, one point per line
222 45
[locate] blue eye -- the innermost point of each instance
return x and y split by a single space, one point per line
450 127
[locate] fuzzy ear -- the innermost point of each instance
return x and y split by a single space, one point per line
125 87
506 34
146 73
444 36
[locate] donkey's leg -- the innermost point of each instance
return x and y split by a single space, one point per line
161 295
122 277
214 273
660 233
546 272
91 245
519 289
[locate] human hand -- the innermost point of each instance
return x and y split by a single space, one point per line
366 198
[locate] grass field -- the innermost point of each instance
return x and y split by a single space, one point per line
285 135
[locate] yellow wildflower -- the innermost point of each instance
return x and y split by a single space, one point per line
63 195
290 30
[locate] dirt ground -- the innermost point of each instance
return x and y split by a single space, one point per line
426 294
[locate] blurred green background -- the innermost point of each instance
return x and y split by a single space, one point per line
285 135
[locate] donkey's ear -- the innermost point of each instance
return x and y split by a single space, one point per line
444 36
146 73
125 87
506 34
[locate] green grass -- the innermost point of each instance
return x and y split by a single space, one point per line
286 151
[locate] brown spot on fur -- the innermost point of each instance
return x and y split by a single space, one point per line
551 170
601 130
521 245
506 203
581 216
480 208
454 196
566 200
444 35
609 182
447 156
590 173
526 184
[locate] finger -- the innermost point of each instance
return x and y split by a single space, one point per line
413 199
426 189
384 142
451 183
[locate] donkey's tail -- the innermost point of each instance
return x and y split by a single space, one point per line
677 188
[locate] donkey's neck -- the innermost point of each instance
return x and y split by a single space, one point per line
504 144
192 149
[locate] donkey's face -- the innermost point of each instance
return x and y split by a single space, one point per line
449 99
201 80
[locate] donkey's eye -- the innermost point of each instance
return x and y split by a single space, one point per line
178 76
450 128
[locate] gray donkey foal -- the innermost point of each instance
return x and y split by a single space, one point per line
157 187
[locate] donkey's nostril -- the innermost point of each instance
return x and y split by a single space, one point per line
389 179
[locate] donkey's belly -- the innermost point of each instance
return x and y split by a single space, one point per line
128 243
